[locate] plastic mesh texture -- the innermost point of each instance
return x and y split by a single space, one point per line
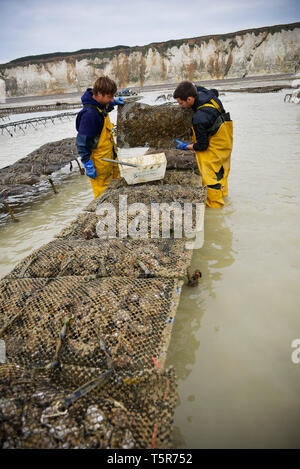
172 177
142 125
86 324
64 320
115 415
84 226
150 194
100 258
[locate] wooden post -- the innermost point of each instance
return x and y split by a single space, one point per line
80 168
10 210
53 186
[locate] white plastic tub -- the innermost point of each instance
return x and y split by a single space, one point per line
151 168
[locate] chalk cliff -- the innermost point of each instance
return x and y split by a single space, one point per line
262 51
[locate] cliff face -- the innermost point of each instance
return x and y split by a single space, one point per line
262 51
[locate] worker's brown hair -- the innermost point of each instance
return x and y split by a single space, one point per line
104 85
184 90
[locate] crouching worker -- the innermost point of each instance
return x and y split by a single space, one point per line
95 139
212 138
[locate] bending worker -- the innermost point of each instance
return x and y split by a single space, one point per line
95 139
212 138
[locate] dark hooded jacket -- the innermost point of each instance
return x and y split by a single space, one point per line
89 124
204 118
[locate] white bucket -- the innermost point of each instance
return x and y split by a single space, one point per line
150 168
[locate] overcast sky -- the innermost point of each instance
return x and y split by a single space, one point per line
30 27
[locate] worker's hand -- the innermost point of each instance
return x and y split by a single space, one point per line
118 101
90 171
181 145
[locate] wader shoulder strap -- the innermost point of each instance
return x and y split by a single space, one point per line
204 105
213 104
216 105
105 115
95 107
224 116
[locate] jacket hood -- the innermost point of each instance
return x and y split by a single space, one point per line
204 95
87 98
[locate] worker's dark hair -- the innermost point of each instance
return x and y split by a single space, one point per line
104 85
184 90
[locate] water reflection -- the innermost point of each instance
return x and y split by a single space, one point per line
216 254
233 353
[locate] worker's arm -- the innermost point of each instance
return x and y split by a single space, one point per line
202 122
84 145
89 125
189 146
202 140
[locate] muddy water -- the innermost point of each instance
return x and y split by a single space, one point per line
231 343
232 337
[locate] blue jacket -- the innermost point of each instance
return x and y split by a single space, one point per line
204 118
89 125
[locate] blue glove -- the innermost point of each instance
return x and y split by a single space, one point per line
118 101
90 170
181 145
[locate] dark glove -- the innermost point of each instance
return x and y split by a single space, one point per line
181 145
118 101
90 170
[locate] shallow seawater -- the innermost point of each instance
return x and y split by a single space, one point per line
231 343
25 141
232 335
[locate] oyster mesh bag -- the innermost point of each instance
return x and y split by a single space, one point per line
142 125
172 177
85 226
86 324
100 258
34 414
66 320
96 349
148 194
175 197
